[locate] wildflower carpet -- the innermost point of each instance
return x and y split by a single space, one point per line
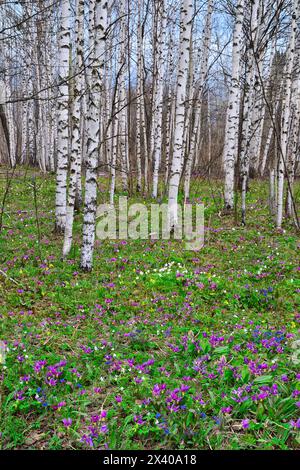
158 347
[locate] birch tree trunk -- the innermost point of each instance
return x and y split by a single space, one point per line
93 143
196 130
158 95
62 117
115 130
9 108
273 187
75 154
123 124
271 133
170 108
286 113
251 105
294 126
209 133
188 120
232 118
186 22
140 97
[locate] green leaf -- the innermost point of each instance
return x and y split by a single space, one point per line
263 379
222 350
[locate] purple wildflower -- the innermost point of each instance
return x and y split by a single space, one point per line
67 422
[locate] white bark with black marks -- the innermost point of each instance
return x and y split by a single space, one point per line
94 139
186 22
75 147
62 117
232 118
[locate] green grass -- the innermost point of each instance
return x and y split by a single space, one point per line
199 346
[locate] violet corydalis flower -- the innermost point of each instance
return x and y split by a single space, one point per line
295 424
67 422
226 410
245 423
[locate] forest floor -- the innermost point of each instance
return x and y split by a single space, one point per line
158 347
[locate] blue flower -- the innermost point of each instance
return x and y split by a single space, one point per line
217 420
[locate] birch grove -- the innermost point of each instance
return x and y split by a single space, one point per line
153 96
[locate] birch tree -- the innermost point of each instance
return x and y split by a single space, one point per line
293 144
75 145
186 22
232 118
94 139
140 97
122 102
196 128
286 113
251 100
158 93
62 116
